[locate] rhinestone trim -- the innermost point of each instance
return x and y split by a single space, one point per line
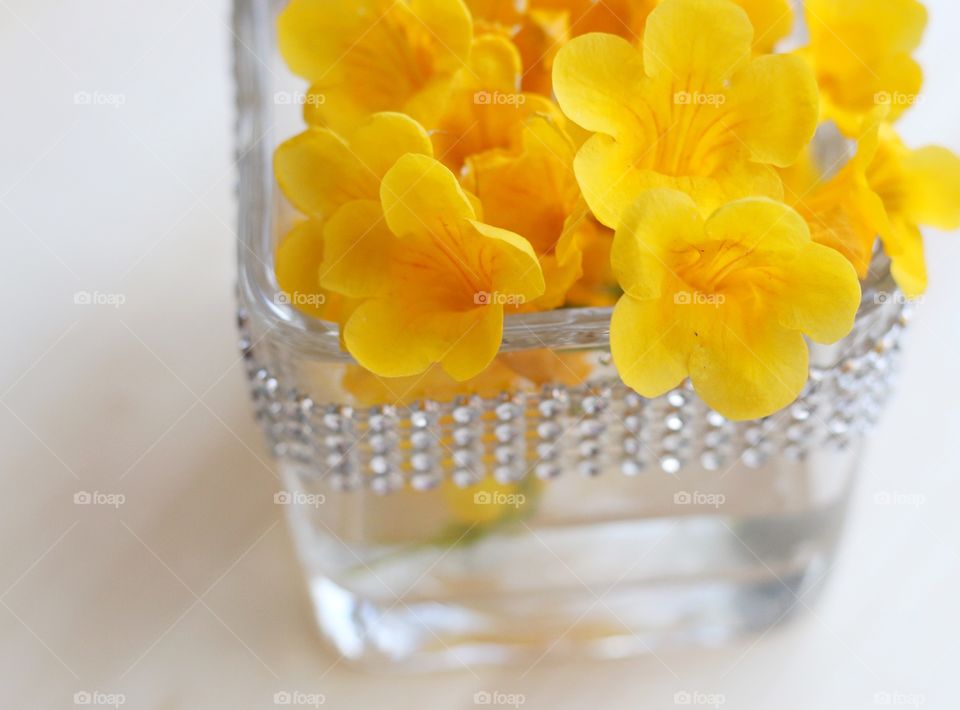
586 430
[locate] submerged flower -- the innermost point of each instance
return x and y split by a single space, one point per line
365 56
724 301
918 187
694 111
835 198
521 371
368 389
860 51
432 280
489 502
531 190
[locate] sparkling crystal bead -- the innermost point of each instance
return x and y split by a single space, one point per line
670 464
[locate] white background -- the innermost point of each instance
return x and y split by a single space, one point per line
188 595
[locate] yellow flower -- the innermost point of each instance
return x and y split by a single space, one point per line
539 39
366 56
860 50
531 190
597 286
693 112
841 209
489 501
619 17
522 371
486 109
490 15
548 367
772 19
432 279
369 390
918 187
537 34
298 260
319 171
724 301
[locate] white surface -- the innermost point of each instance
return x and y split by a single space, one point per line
188 595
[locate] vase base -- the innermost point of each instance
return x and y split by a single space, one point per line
419 633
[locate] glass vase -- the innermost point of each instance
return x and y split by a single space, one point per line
543 508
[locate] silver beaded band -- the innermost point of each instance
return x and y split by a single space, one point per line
585 430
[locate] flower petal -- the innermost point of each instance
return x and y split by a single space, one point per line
610 179
399 337
512 262
384 138
365 56
772 20
420 196
904 245
746 367
659 225
650 347
298 268
759 223
318 172
479 334
310 34
447 28
776 100
495 65
823 295
932 176
706 39
596 79
529 191
358 250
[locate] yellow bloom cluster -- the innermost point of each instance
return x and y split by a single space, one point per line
467 159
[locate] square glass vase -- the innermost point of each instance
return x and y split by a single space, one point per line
543 509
